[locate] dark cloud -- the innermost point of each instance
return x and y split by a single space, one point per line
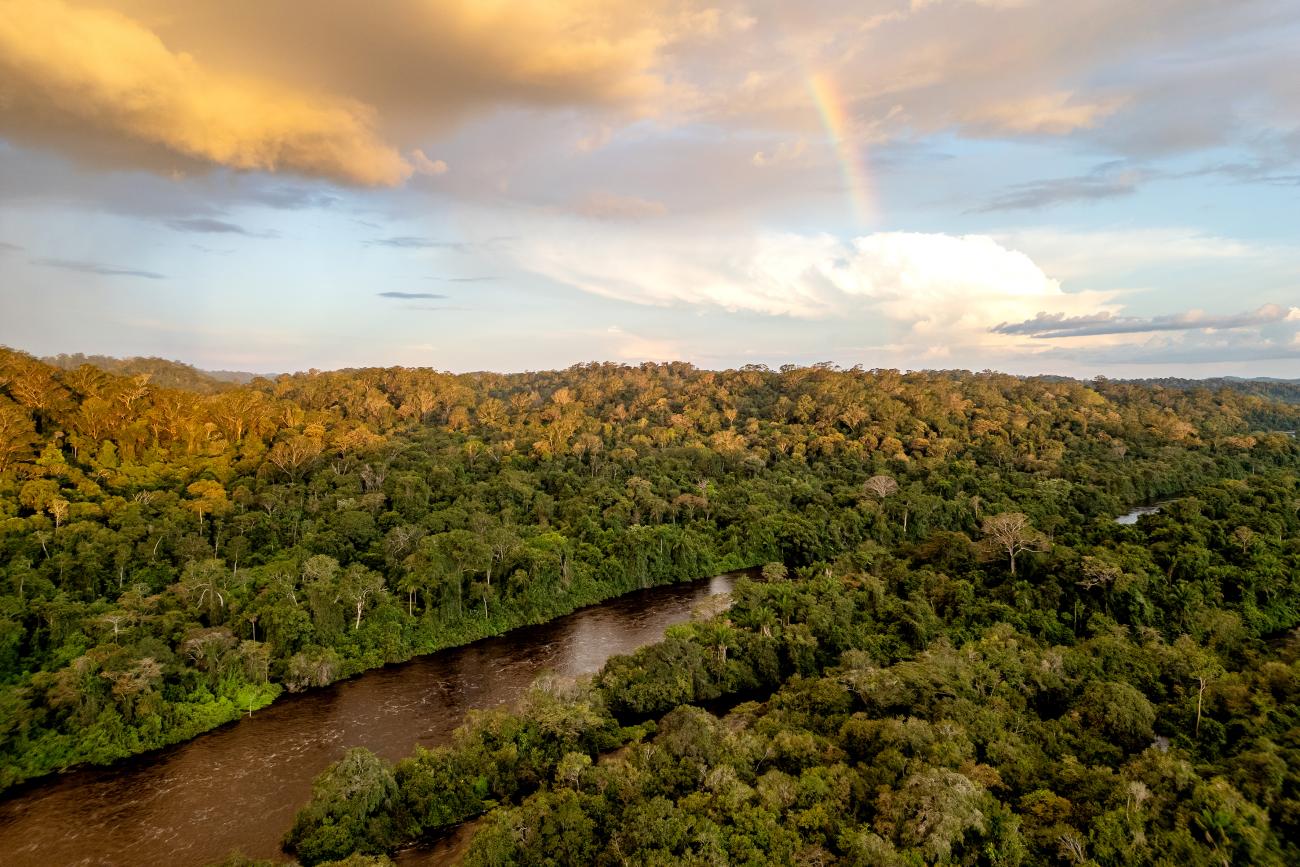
1277 163
1056 325
6 247
30 175
209 225
290 198
410 295
413 242
98 268
1107 181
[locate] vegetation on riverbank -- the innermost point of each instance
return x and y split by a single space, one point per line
1131 696
174 558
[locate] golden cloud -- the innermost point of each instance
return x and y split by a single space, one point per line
109 76
1055 113
368 95
326 89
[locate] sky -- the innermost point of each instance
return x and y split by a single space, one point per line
1101 187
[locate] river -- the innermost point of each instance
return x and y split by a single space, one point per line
1131 516
237 788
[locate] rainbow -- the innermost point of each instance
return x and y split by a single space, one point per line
830 105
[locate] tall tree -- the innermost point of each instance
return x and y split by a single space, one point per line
1012 533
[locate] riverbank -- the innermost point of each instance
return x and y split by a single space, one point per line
55 753
238 787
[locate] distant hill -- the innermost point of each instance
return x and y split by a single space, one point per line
177 374
162 372
1285 390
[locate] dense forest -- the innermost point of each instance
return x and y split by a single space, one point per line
1282 390
1129 697
174 557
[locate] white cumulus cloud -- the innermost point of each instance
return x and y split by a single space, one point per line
929 284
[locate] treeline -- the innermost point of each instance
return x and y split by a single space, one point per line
1280 390
161 372
174 558
1131 696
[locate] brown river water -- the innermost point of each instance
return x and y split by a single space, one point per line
237 788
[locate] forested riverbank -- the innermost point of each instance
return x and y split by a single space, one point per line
1130 697
175 558
174 806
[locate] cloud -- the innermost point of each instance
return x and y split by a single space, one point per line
1231 346
595 139
1058 325
414 242
426 166
1215 354
6 247
1069 254
290 198
611 206
208 225
68 71
1055 113
97 268
324 89
410 295
1258 174
329 90
628 346
1106 182
1137 80
1275 162
925 283
784 152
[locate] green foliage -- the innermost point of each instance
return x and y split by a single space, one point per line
360 804
172 559
907 721
352 808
